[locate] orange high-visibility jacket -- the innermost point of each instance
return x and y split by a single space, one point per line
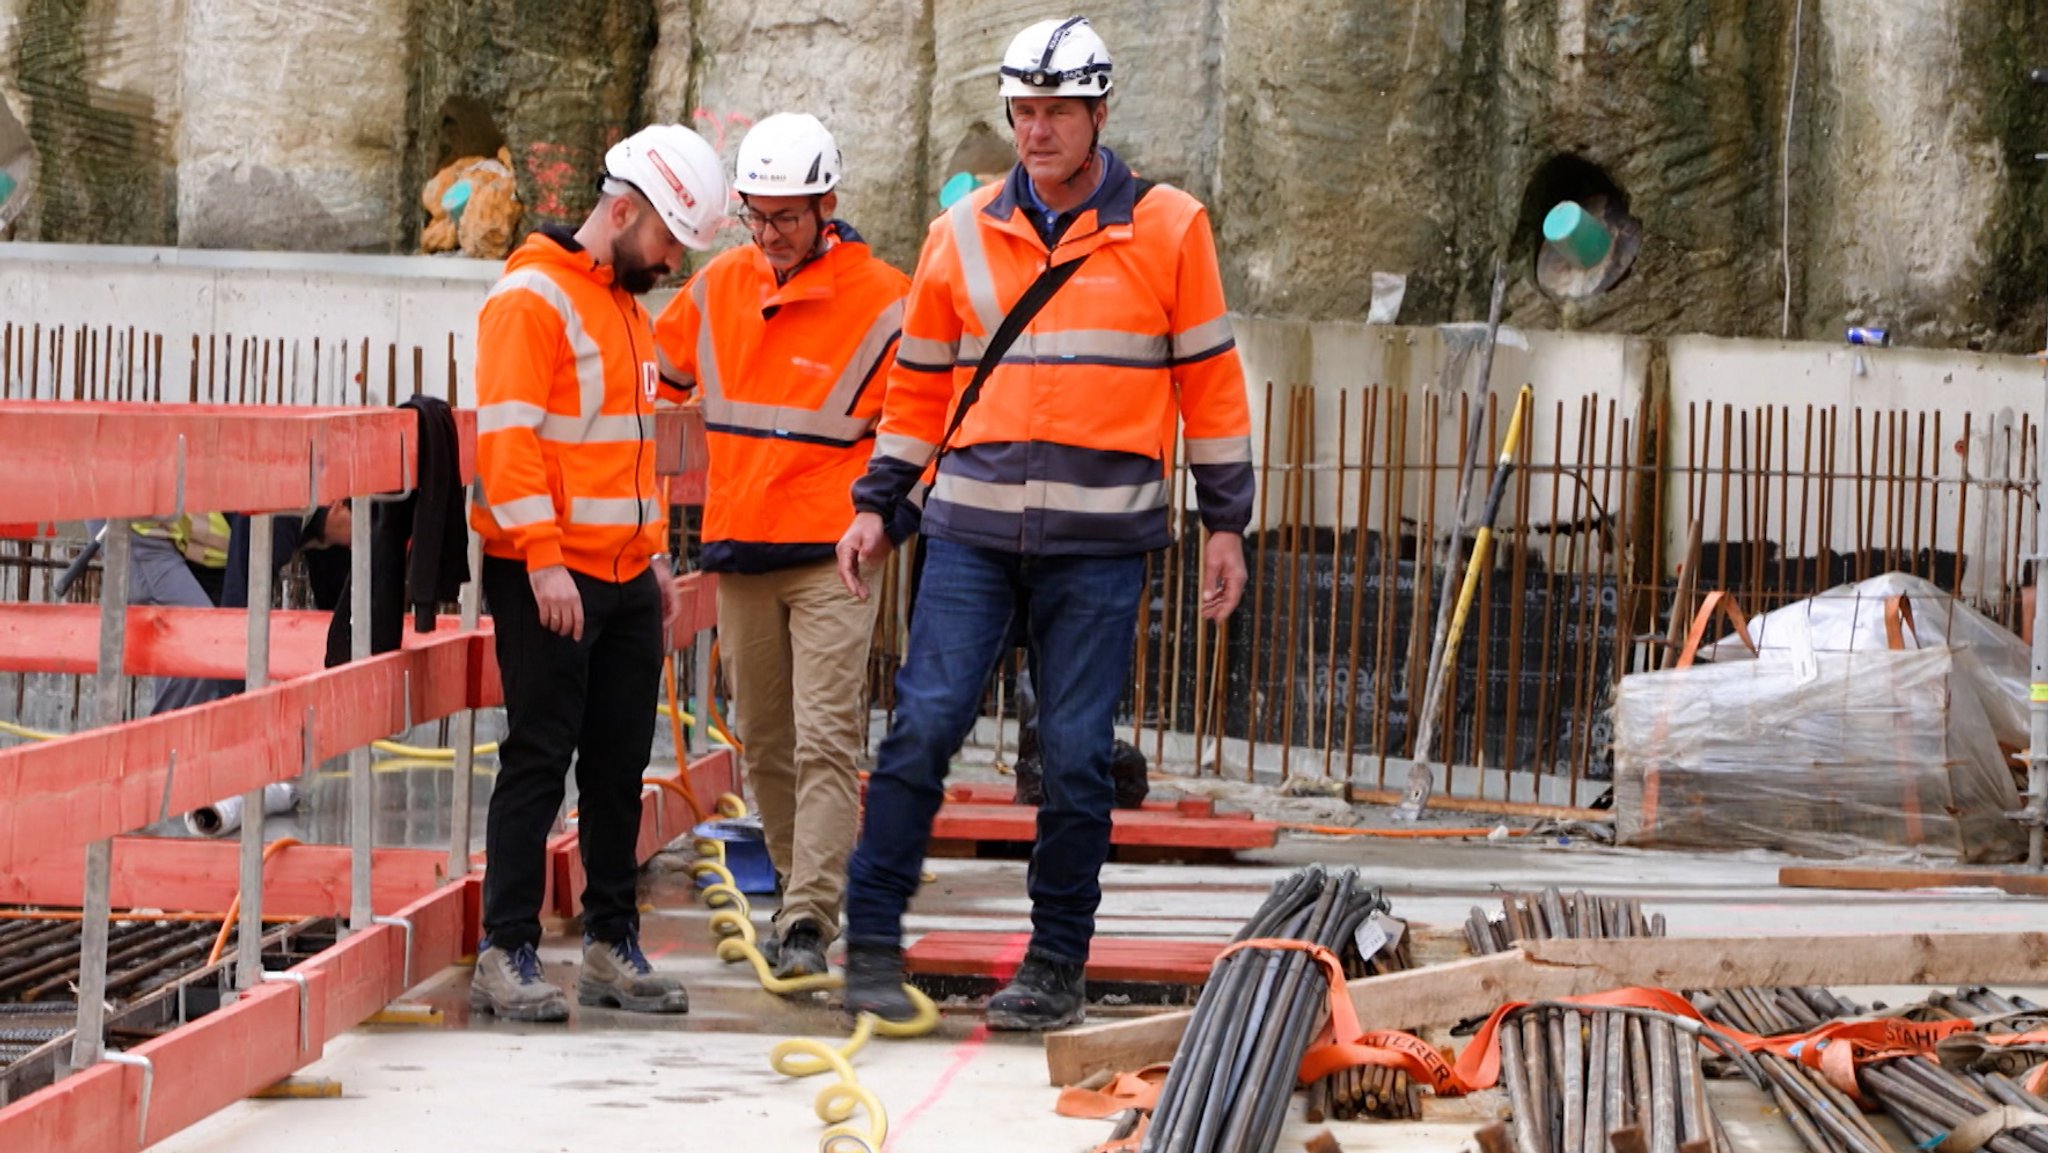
565 378
791 380
1069 447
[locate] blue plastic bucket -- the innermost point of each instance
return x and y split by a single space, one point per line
746 853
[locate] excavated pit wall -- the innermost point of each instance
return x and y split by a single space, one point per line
1793 165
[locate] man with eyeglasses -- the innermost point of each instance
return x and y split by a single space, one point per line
580 590
788 344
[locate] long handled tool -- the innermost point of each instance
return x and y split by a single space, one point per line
1421 782
78 564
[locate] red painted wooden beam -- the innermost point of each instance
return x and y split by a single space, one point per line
173 642
70 460
1019 824
995 956
680 452
65 794
184 875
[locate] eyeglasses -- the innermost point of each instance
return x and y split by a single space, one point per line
757 222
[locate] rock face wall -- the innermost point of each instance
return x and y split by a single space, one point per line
290 127
1783 165
861 66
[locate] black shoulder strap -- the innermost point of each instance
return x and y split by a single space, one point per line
1012 325
1021 314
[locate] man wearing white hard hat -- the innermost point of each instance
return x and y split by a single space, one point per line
576 573
1063 329
786 344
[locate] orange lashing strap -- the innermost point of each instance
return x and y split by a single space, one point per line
1125 1091
1834 1049
1343 1045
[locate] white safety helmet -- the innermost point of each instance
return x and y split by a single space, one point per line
787 154
1056 58
678 172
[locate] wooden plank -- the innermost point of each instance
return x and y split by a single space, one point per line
185 875
1568 968
176 642
1017 824
226 1055
1895 880
67 793
66 460
952 953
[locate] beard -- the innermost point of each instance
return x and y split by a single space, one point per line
633 269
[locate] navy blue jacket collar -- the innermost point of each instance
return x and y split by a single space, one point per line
1112 202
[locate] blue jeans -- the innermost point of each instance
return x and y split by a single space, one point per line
1081 614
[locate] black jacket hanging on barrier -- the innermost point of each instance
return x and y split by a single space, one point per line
419 545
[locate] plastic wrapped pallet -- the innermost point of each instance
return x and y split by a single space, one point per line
1832 754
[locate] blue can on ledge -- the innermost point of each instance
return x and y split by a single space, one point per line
1877 337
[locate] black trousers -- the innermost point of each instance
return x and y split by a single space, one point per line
591 700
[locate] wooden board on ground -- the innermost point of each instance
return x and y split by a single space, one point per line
1110 959
1018 824
1539 970
1893 880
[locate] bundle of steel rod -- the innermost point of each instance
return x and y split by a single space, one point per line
1538 916
1576 1075
1370 1091
1930 1102
1233 1077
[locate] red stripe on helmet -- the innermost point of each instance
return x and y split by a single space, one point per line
662 167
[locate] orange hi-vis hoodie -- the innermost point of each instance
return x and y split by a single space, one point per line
566 378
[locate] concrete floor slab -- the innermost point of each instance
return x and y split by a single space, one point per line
612 1080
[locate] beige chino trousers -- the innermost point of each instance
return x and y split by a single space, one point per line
794 647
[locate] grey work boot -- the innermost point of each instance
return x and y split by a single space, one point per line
508 984
1046 993
801 953
874 982
617 973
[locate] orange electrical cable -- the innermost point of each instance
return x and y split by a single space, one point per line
227 924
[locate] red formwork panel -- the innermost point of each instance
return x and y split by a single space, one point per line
223 1057
179 874
67 793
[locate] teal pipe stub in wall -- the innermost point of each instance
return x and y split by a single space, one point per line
1578 234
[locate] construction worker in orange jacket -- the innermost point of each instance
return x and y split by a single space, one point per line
1049 491
788 343
575 570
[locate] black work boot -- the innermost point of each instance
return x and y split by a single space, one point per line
874 982
802 951
1045 994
